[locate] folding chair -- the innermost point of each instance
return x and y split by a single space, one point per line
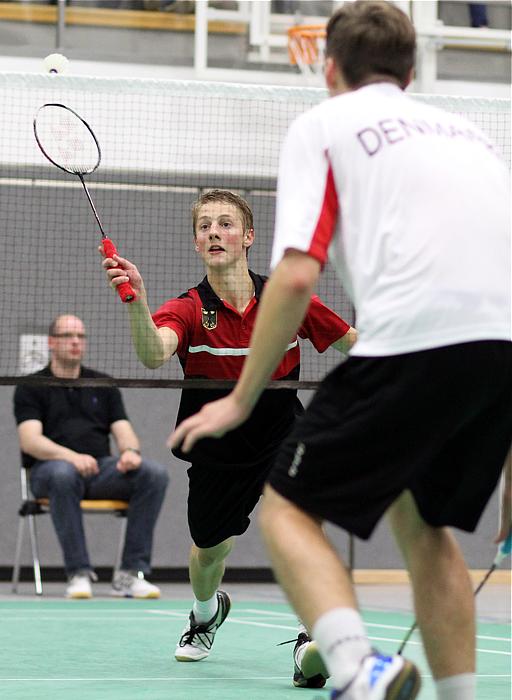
31 507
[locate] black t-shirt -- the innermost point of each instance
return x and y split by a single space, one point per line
76 417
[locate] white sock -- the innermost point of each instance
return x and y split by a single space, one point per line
460 687
204 610
343 643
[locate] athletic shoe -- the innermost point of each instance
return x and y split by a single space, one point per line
309 670
79 585
382 678
130 585
197 638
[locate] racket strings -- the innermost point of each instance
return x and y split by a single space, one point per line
66 140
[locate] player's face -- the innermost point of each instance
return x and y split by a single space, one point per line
68 342
220 237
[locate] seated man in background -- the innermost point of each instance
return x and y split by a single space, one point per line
64 435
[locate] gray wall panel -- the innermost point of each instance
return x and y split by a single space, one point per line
153 412
48 245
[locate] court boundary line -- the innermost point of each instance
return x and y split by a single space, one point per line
189 678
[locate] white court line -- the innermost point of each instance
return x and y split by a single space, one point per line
87 618
367 624
159 614
132 680
165 679
266 612
236 621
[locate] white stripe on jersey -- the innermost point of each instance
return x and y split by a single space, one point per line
229 352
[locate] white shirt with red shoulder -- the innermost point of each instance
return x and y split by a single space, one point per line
411 204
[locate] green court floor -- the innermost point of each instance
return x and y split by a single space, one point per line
123 650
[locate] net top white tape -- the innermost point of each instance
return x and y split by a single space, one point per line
163 115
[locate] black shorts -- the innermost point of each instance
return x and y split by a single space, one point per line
220 500
436 422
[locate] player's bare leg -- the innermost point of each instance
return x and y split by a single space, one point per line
293 537
323 597
211 606
443 595
206 568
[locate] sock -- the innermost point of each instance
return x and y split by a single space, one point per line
343 643
204 610
460 687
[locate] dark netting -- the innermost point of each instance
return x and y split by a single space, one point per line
162 144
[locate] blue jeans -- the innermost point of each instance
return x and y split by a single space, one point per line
478 14
144 488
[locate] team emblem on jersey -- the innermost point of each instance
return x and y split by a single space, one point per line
209 319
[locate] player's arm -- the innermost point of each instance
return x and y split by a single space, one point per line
128 445
284 303
34 443
346 341
325 328
153 345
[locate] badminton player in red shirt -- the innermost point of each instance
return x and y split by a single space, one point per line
209 328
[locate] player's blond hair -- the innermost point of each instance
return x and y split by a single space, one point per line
227 197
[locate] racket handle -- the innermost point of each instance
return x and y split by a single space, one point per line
504 550
125 290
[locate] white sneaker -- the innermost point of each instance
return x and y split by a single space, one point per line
128 585
382 678
309 670
79 585
197 638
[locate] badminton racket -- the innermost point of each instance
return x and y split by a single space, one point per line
69 143
503 552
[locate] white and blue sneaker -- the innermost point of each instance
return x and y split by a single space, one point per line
382 678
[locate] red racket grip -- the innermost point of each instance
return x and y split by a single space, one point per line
125 290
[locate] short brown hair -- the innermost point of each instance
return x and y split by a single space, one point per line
371 37
228 198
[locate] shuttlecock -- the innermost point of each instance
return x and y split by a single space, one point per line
55 63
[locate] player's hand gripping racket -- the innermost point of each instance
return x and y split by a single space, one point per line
69 143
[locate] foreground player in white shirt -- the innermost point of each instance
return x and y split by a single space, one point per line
411 205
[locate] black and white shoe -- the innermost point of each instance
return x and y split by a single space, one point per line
309 670
197 638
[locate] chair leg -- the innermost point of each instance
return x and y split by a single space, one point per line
122 535
17 556
35 554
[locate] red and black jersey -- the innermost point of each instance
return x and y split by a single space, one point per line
213 343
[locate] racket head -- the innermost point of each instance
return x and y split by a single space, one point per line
66 139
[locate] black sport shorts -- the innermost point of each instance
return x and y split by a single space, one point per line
221 500
437 422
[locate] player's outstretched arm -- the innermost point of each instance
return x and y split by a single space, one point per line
283 305
344 343
153 345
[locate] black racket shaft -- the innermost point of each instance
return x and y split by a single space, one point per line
86 190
